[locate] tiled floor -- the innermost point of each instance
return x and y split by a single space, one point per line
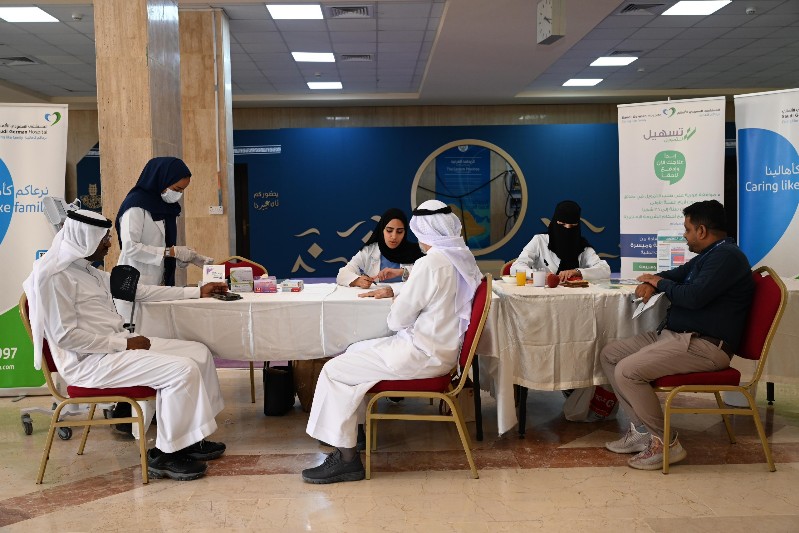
559 478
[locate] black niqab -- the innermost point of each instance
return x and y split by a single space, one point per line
566 243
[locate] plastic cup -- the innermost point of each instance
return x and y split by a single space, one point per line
539 278
521 278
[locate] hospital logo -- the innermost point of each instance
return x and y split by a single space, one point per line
669 111
53 117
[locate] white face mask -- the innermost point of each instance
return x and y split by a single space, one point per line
171 196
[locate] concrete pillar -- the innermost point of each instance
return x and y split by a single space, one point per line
207 132
138 94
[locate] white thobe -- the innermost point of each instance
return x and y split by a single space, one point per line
366 262
89 347
538 255
426 345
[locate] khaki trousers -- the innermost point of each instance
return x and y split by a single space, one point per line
632 364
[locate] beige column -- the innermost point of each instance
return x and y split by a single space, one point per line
138 93
207 132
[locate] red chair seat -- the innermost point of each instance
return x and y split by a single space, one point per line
129 392
728 376
439 384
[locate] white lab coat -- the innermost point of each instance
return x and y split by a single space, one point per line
427 344
538 255
366 261
89 346
143 245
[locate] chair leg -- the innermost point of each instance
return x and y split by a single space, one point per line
86 430
666 433
522 410
145 475
458 420
48 444
760 431
478 408
252 383
726 418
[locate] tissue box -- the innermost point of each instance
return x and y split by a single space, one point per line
241 279
291 285
213 273
265 284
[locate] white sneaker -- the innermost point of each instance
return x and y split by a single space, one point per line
631 442
652 457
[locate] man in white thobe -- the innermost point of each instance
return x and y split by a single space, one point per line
70 305
430 314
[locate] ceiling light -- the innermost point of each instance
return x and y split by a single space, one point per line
615 61
325 85
295 11
694 7
582 82
25 14
313 57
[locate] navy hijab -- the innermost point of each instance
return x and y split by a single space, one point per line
407 252
158 174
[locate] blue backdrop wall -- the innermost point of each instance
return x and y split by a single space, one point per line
313 192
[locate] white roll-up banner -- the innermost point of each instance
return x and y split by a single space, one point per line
767 128
33 154
671 154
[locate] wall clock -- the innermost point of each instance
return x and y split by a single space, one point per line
550 21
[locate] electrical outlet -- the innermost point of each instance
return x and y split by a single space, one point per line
215 210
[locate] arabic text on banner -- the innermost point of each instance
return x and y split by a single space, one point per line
671 154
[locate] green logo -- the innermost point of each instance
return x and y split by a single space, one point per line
645 267
53 117
670 166
669 111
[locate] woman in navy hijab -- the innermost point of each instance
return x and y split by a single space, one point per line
147 223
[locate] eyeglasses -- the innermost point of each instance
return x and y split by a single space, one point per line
567 225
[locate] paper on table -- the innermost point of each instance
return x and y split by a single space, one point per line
648 305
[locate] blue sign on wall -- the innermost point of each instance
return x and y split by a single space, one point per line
315 193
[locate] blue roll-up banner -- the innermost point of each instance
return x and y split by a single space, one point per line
767 127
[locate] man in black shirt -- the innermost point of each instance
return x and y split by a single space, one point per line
710 297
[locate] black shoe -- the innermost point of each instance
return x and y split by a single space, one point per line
122 410
173 466
334 470
360 445
205 450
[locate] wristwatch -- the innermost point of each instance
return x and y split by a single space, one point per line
405 273
166 251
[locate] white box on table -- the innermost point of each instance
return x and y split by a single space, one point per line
291 285
241 279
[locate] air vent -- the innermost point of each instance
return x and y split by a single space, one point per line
355 57
350 12
640 9
626 53
17 61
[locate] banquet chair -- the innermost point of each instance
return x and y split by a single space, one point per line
91 396
444 388
506 268
235 261
768 304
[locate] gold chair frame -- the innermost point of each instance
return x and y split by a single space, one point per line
746 389
449 398
63 401
266 273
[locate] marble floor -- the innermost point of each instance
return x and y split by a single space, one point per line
558 478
